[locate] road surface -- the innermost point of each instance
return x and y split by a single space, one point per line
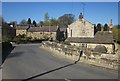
28 61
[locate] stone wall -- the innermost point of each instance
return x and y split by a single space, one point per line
34 35
21 32
109 47
73 52
48 35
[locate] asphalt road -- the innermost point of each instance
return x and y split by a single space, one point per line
31 62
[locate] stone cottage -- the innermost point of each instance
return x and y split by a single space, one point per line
81 33
34 32
20 30
48 32
81 28
100 38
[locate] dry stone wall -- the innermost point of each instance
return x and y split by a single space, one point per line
73 52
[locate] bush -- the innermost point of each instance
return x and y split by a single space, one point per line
17 39
67 43
27 38
21 39
116 34
6 38
100 49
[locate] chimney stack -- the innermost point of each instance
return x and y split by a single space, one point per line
111 25
81 16
111 22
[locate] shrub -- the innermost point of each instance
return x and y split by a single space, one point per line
21 39
27 38
67 43
17 39
100 49
6 38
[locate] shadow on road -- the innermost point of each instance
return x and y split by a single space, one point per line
48 72
54 69
6 50
15 54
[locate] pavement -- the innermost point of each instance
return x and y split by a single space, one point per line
28 61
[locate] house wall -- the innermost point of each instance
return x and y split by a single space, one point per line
109 47
48 35
34 35
53 35
80 29
44 35
21 32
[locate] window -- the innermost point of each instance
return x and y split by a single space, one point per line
84 45
22 30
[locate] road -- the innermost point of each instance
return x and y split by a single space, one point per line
28 61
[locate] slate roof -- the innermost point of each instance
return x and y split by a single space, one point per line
48 29
99 38
80 40
22 27
104 37
88 21
34 29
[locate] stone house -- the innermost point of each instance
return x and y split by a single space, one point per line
100 38
34 32
20 30
81 33
44 32
81 28
49 32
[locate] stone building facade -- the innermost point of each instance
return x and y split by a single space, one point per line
49 32
100 38
81 33
34 32
20 30
44 32
80 28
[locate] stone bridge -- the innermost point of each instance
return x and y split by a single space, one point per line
88 56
